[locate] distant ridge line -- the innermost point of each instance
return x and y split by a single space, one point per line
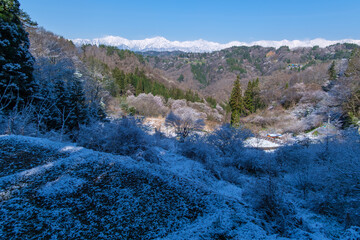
161 44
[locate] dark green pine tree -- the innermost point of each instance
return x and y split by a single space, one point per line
61 104
249 98
139 87
77 108
236 103
17 84
252 97
119 78
332 71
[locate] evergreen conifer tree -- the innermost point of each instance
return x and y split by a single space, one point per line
332 71
139 87
77 105
17 84
252 98
236 103
119 78
249 98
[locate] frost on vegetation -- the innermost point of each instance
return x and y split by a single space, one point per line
63 185
148 105
124 136
154 106
108 197
351 233
208 186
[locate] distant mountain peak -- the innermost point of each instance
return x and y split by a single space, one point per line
162 44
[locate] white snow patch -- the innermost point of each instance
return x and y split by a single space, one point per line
260 143
63 185
70 149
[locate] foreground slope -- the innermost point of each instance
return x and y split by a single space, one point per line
56 190
78 193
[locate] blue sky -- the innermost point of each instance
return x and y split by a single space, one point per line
220 21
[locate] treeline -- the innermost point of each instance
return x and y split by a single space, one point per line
122 53
352 105
138 83
42 94
119 83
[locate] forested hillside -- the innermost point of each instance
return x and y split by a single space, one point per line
213 73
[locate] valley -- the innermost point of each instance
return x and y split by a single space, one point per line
112 138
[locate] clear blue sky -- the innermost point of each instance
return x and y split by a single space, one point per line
220 21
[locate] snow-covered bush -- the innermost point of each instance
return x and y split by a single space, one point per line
327 174
148 105
228 139
351 233
196 148
19 122
124 136
266 197
336 182
148 154
254 161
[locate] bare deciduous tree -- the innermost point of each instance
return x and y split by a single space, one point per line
64 115
184 125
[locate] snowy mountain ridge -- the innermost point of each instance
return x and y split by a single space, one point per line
163 44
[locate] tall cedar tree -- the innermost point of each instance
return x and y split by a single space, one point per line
252 98
249 98
119 78
70 103
236 103
17 84
332 71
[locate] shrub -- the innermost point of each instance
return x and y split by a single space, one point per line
185 122
291 98
265 197
228 139
19 122
148 105
124 136
197 149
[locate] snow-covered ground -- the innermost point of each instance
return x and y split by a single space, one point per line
261 143
77 193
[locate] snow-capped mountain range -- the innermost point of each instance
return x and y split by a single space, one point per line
162 44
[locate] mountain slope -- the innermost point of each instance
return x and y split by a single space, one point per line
214 73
